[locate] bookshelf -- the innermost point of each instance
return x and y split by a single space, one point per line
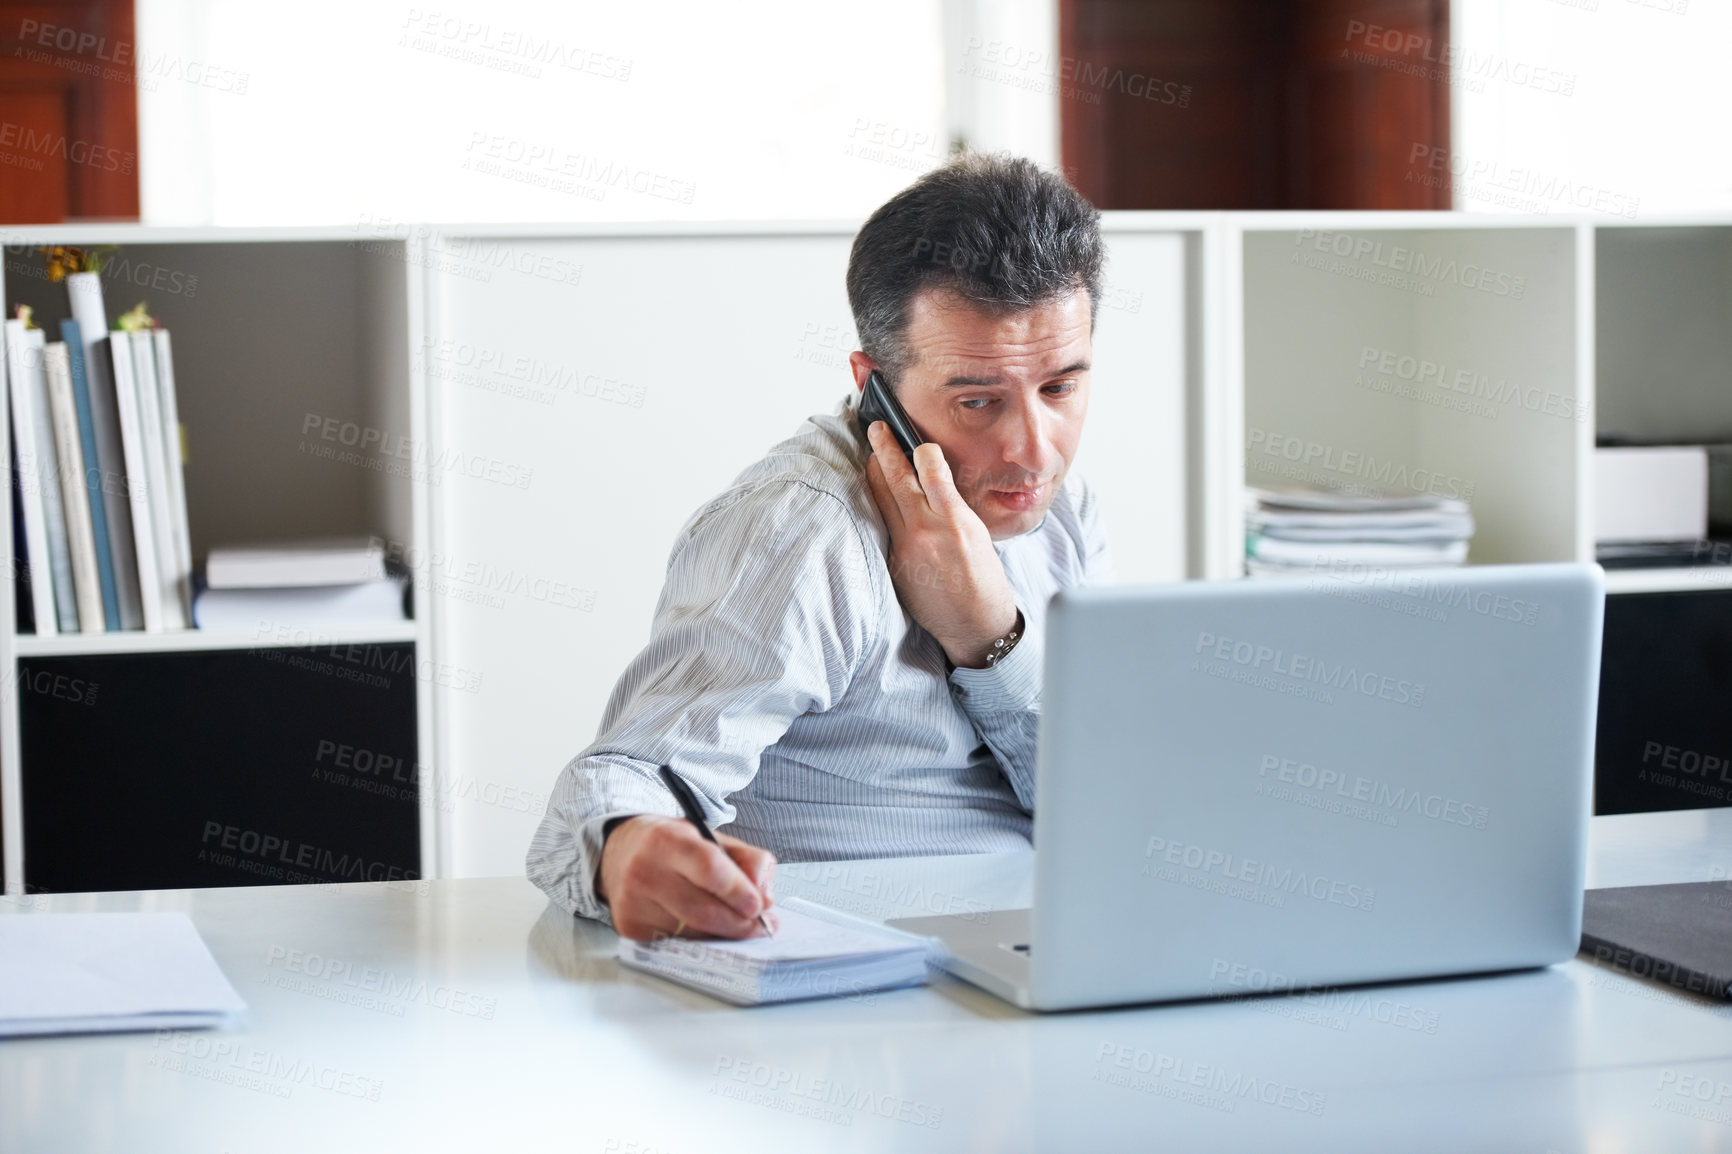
285 340
1467 350
1492 352
1349 332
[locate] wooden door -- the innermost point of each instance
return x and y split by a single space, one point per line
1254 104
68 111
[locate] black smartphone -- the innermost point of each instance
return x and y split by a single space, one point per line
878 403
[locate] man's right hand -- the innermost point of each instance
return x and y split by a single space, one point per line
659 878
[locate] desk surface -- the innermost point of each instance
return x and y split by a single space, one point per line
472 1015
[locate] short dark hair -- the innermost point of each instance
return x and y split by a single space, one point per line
999 231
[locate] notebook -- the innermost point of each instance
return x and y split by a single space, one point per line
100 973
816 952
1678 934
314 562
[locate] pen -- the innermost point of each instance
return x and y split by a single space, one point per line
695 815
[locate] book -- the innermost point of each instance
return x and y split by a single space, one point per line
104 972
176 614
74 493
817 952
309 607
38 482
319 561
110 461
118 349
92 475
175 441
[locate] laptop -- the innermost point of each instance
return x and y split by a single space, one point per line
1254 786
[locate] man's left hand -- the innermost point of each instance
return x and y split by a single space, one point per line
942 561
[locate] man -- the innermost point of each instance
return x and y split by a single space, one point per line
846 658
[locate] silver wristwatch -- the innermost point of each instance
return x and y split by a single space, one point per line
1002 646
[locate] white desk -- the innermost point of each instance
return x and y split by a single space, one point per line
491 1021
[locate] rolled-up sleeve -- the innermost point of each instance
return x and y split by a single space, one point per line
760 620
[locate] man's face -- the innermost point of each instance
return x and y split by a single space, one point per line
1004 397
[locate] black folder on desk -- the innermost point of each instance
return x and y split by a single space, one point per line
1677 934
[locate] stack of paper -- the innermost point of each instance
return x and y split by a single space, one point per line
816 953
97 973
1300 530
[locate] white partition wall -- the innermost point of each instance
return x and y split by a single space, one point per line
614 385
1134 444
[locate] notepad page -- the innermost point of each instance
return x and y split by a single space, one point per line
804 934
799 938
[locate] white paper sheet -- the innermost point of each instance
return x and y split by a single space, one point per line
89 973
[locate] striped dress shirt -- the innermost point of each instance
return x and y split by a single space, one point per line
811 715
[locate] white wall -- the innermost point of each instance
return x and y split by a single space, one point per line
1002 76
777 109
1615 106
341 112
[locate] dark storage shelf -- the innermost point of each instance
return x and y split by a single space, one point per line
239 767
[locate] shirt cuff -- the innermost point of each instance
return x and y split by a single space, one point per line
591 837
1011 684
567 873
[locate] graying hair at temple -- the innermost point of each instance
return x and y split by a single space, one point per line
1001 232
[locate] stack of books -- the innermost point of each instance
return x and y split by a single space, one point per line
98 480
299 585
1302 530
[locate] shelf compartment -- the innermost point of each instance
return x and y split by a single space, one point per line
1421 360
